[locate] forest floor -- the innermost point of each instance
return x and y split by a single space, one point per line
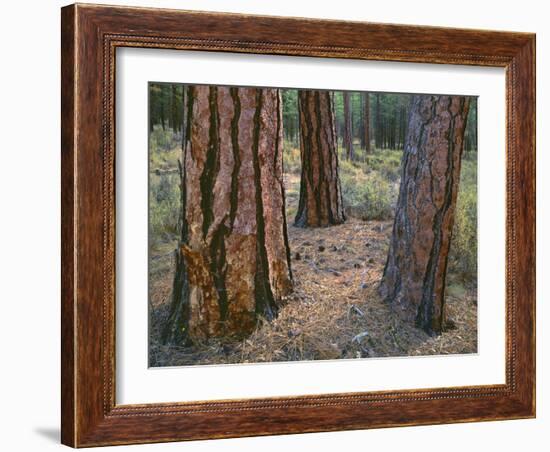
334 311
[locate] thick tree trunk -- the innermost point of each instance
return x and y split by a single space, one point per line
233 264
320 194
366 123
348 129
414 276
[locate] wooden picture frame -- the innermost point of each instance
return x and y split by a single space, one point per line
90 36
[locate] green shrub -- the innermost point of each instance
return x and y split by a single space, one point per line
164 191
164 207
463 253
291 159
164 140
386 162
164 149
367 196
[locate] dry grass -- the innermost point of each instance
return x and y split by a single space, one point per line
334 311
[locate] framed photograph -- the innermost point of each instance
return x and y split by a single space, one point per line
281 225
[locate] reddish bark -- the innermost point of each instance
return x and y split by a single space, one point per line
320 194
415 272
233 264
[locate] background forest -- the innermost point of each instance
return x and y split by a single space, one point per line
335 310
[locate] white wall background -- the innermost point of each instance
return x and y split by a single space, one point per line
29 225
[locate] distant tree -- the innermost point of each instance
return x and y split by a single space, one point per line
348 127
320 193
158 97
389 124
232 263
290 115
402 128
183 117
361 126
378 124
163 107
414 275
471 128
152 107
166 100
366 122
172 122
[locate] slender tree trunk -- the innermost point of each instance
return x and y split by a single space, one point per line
386 128
320 194
471 131
175 109
378 124
348 129
402 127
468 143
366 135
361 121
151 110
233 263
415 272
394 132
287 129
391 133
184 115
162 113
474 135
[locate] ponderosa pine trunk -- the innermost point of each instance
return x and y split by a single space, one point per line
415 272
348 130
320 193
233 262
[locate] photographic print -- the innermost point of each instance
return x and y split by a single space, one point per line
315 213
299 225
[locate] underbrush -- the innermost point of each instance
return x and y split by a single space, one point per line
291 158
370 186
164 192
164 149
164 206
369 183
164 140
385 162
463 253
366 195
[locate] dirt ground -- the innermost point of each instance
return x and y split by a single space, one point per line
334 311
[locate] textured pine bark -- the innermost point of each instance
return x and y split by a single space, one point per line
415 272
233 262
320 193
348 135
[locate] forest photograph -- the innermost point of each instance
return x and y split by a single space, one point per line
299 225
